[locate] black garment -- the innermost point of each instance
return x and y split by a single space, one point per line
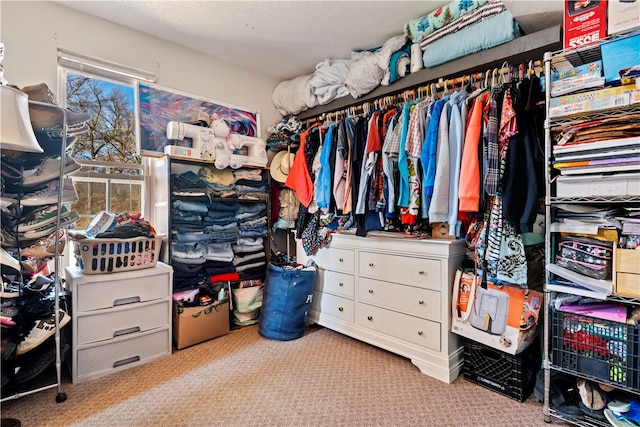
521 197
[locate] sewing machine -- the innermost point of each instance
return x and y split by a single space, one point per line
204 138
234 151
241 150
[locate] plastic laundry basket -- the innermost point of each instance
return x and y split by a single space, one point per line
287 295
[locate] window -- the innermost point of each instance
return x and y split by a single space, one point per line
110 178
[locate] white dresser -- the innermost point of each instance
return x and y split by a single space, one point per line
120 320
391 292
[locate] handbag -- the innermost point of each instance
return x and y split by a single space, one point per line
287 296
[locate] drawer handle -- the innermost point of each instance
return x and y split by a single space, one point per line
421 302
124 301
370 264
340 259
421 272
340 284
370 291
340 308
126 331
420 333
126 361
369 318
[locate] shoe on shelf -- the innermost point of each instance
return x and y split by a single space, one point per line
10 265
43 329
593 400
49 170
46 248
41 217
49 195
35 364
66 220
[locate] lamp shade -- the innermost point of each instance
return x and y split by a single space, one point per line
16 132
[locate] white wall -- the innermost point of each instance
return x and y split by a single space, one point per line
32 31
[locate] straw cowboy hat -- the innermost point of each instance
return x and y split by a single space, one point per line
280 165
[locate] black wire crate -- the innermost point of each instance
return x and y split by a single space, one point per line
603 349
513 376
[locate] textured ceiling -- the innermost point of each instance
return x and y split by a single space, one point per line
286 39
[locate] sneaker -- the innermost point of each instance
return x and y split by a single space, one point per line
43 329
65 221
9 263
41 217
49 195
48 170
46 248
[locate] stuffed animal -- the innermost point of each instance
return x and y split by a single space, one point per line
220 127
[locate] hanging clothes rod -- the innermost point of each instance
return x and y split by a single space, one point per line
505 73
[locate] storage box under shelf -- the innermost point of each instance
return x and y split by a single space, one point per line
513 376
627 273
602 349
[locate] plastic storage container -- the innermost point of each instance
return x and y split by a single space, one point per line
98 256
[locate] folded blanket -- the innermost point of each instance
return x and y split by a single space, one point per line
328 79
489 9
417 28
482 35
293 96
398 64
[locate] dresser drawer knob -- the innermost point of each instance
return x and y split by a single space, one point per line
420 333
421 302
369 318
370 264
340 284
340 259
421 272
340 308
370 291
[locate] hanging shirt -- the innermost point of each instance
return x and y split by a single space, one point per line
428 154
456 143
469 188
323 180
340 166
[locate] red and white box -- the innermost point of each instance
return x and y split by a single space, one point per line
585 22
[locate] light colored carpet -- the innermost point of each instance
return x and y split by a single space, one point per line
243 379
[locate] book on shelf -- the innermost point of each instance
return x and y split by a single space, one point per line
596 145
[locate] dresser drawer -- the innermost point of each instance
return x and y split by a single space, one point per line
413 271
406 299
122 291
333 305
335 259
424 333
134 318
335 283
96 360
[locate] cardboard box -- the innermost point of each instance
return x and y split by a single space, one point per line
619 54
627 273
501 317
585 22
193 325
440 230
622 16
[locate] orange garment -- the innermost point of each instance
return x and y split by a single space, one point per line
469 187
299 179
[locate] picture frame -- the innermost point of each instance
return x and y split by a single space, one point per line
159 105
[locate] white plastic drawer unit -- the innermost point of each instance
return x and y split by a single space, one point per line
98 359
94 292
129 319
401 269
